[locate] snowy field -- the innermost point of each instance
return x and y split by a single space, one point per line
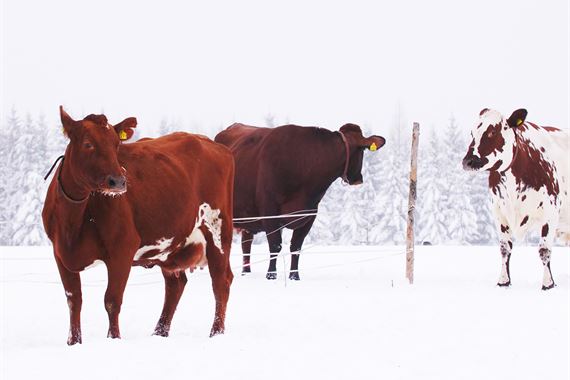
353 315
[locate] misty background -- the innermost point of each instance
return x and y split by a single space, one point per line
199 67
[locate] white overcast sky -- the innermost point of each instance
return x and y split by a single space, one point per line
211 63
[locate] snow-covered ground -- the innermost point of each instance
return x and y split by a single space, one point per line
353 315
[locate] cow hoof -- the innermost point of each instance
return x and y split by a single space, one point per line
271 276
544 287
161 333
294 276
113 335
74 340
504 284
216 331
245 270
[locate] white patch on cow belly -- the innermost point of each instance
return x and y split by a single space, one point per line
211 219
161 245
94 264
196 237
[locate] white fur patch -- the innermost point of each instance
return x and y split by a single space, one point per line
69 294
196 237
161 245
211 219
94 264
547 278
504 278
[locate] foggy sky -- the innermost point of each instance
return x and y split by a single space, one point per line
323 63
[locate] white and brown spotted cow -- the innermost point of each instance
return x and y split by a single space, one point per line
528 179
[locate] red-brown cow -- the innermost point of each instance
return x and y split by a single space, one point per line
287 169
164 201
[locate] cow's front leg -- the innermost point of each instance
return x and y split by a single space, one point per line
506 246
118 274
297 240
72 285
246 241
546 240
274 240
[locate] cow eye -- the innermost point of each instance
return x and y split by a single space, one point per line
87 144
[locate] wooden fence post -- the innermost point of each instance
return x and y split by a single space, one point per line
412 204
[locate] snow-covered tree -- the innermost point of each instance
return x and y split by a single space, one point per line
431 224
458 209
392 193
29 159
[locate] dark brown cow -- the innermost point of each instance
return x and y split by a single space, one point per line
164 201
287 169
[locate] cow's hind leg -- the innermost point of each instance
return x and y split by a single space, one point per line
246 241
72 285
506 246
547 238
174 284
297 240
221 274
118 274
274 240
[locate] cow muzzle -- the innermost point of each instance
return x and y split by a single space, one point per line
472 162
114 185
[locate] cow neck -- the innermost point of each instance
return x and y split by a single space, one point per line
517 143
67 185
347 150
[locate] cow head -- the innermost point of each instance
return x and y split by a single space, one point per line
492 147
357 143
92 151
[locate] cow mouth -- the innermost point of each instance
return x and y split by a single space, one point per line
113 192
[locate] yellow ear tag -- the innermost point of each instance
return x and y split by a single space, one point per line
373 147
519 122
122 135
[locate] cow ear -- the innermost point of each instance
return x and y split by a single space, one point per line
374 143
69 125
517 118
125 128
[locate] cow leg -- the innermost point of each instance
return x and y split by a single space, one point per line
274 240
174 286
544 252
297 240
118 274
221 274
506 246
246 241
72 285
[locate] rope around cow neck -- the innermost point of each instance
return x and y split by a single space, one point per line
65 195
345 171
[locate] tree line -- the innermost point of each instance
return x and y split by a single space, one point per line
453 206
